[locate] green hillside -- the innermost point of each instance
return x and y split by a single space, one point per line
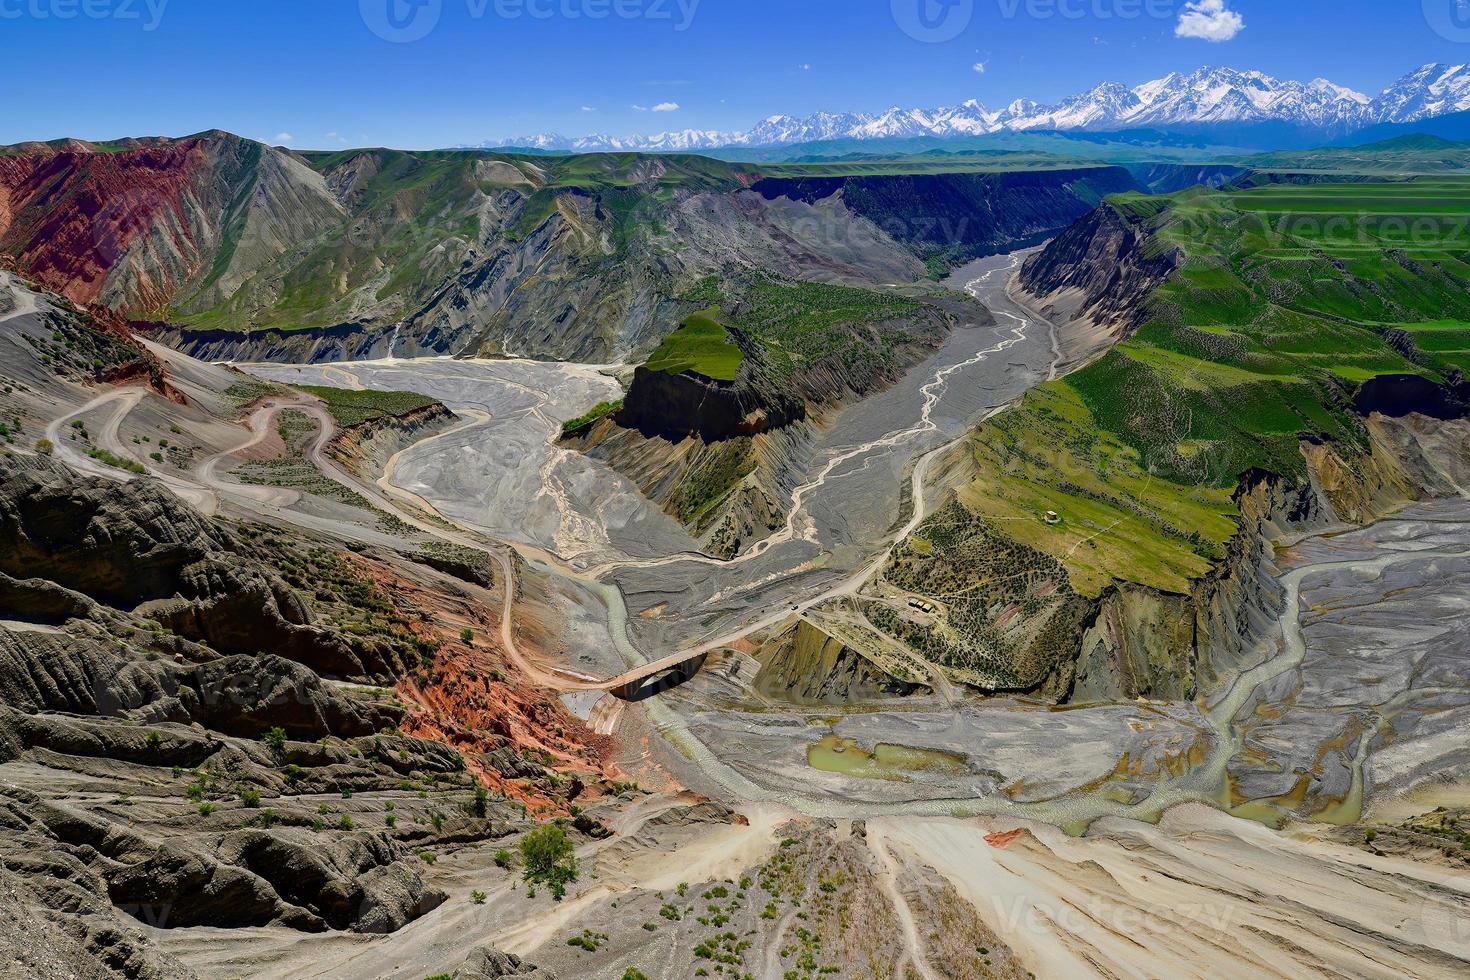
1288 298
700 345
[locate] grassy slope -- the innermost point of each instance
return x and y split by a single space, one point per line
700 345
1392 158
798 323
350 407
1280 309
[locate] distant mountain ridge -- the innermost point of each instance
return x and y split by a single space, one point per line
1207 97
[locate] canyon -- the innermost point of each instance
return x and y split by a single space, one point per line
966 582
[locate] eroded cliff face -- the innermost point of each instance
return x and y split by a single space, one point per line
250 252
1098 276
679 405
1152 644
365 448
137 228
724 457
210 684
959 217
805 666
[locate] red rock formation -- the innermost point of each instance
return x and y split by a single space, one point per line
472 697
72 217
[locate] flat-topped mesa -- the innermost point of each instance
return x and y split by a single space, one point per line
679 405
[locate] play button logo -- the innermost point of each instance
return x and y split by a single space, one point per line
401 21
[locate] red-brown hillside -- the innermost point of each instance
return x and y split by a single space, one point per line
137 225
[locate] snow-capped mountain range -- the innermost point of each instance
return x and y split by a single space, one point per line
1207 96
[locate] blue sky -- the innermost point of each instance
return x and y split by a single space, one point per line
484 69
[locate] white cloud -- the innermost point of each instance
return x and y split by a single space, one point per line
979 67
639 108
589 108
1209 20
804 66
284 137
666 107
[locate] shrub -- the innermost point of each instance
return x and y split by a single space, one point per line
478 897
467 635
550 857
502 858
206 808
345 823
45 447
275 741
250 796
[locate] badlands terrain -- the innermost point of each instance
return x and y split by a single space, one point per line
1080 596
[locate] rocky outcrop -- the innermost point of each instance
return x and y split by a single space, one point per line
365 448
357 881
1098 277
805 666
256 878
679 405
121 545
138 547
487 963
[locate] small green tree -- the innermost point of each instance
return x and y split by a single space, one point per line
550 857
275 741
467 635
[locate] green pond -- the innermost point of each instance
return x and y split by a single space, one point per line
885 761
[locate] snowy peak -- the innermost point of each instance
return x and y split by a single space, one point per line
1220 95
1203 97
1434 90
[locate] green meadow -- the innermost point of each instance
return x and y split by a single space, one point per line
701 345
